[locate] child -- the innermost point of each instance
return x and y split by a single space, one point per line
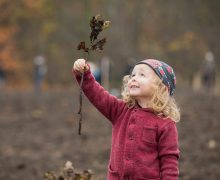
144 134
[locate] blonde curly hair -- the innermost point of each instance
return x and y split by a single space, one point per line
161 102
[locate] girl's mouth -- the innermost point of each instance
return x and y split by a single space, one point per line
133 86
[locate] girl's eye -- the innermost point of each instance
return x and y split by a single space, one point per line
142 74
132 75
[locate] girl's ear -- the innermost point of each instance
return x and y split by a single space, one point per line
168 90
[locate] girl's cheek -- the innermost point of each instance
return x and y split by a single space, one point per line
128 85
129 82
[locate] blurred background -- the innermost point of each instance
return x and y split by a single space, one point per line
39 98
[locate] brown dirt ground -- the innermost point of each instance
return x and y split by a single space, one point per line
39 133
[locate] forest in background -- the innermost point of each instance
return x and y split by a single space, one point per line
178 32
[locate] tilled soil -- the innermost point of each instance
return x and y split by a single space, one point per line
39 133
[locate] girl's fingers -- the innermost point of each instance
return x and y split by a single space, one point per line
83 64
81 61
77 67
80 65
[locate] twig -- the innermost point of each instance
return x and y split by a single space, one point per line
80 99
80 104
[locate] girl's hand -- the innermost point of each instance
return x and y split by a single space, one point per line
80 65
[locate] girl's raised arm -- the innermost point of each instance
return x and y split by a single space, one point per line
110 106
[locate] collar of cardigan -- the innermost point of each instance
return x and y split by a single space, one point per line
138 107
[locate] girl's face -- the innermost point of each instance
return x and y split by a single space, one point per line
141 82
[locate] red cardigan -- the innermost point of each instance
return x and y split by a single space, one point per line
144 146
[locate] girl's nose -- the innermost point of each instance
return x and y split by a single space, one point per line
133 78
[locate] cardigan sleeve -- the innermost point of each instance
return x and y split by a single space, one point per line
168 152
110 106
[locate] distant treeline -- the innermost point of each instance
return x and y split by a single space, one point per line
179 32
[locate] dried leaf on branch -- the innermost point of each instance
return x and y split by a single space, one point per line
98 46
97 25
82 45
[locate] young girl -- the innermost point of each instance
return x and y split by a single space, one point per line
144 134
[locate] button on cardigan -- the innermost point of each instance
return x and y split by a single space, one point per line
144 146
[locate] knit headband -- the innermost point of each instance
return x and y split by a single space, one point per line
164 71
